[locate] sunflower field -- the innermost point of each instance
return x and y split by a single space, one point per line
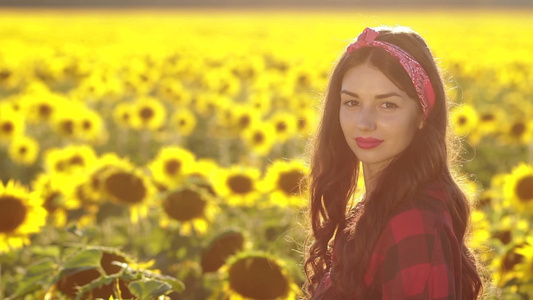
155 154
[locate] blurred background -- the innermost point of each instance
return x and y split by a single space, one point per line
155 148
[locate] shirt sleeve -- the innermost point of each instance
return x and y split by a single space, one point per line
419 259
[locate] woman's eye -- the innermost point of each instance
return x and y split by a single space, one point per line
351 103
389 105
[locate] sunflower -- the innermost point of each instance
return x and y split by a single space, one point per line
285 125
489 123
123 114
68 284
282 181
173 91
464 119
191 206
148 113
206 103
525 267
504 264
51 189
255 275
201 175
220 249
12 123
245 117
91 127
21 214
518 188
479 240
65 121
238 185
170 165
70 159
40 104
260 138
518 131
306 122
130 188
24 150
260 101
183 121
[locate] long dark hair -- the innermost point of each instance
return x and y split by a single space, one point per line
335 171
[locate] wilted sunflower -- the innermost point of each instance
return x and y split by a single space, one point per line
24 150
260 138
12 123
68 284
70 159
238 185
129 187
191 206
170 165
464 119
253 275
21 214
518 188
285 124
182 121
220 249
148 113
282 181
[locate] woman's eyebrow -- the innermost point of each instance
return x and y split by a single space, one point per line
380 96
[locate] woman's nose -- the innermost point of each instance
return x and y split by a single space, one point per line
366 120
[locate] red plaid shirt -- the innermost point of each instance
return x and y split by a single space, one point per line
417 255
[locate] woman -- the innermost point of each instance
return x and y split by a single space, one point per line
385 109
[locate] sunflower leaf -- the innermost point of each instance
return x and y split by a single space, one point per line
36 276
146 289
83 260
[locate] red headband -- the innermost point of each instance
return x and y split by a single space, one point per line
418 75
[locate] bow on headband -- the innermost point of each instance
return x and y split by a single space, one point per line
418 75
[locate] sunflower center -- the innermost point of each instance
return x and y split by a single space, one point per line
240 184
12 213
258 138
244 121
146 113
68 126
172 167
518 129
281 126
87 125
23 150
302 123
288 182
7 127
462 120
504 236
184 205
182 122
5 74
77 160
125 117
487 117
258 278
125 188
45 110
524 188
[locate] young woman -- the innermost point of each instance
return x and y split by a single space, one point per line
386 109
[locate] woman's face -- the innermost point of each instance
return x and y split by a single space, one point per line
378 119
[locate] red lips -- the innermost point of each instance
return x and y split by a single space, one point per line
367 143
